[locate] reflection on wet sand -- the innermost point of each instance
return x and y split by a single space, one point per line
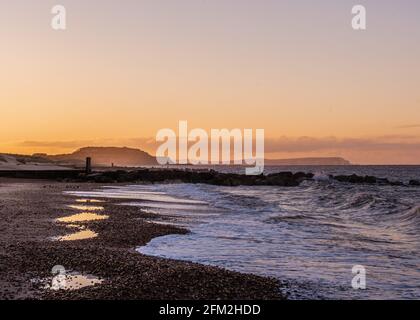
80 235
89 201
82 217
73 281
74 221
86 208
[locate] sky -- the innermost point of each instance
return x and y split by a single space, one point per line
125 69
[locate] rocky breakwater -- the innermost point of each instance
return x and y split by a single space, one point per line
287 179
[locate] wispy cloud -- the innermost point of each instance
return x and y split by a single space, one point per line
147 143
282 144
409 126
55 144
310 144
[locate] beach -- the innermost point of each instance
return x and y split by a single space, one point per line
30 248
183 234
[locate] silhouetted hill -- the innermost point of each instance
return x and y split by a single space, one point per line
328 161
106 156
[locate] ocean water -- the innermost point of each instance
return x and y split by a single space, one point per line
309 237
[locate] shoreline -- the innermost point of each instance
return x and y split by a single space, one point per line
28 209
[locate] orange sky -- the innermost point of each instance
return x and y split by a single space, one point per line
298 70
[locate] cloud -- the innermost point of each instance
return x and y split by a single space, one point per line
409 126
55 144
146 143
282 144
310 144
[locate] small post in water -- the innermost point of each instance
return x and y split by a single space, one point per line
88 165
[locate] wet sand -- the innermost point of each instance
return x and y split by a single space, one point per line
28 224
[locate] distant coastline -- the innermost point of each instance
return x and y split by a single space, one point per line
314 161
130 157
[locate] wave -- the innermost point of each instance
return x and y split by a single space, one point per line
289 218
321 176
411 215
360 201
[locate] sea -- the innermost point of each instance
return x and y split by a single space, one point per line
318 239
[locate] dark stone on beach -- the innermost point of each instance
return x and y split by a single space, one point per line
104 179
303 176
396 183
286 179
382 181
356 179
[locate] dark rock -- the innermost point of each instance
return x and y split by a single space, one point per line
192 176
355 179
396 183
382 180
414 183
